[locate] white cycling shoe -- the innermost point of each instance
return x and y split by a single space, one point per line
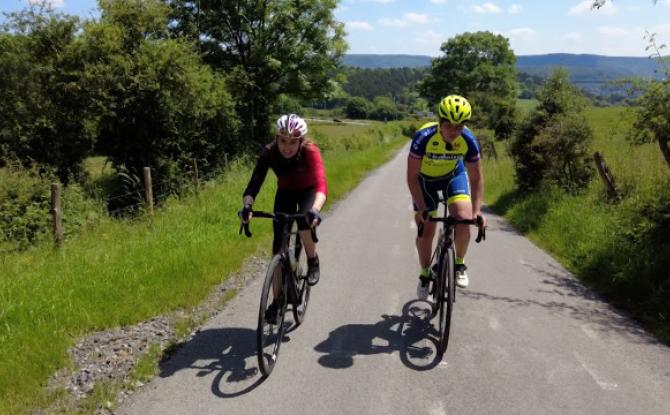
462 279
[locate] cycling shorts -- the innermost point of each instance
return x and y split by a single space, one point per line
454 187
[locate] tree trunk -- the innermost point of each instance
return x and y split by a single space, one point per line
663 144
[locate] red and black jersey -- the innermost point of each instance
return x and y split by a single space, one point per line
300 172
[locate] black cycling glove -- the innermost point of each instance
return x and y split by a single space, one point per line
244 213
313 214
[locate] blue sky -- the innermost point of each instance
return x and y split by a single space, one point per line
418 27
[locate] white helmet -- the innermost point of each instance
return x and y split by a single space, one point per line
292 126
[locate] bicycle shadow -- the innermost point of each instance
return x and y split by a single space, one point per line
228 353
411 335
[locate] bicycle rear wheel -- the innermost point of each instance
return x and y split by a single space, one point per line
446 298
270 331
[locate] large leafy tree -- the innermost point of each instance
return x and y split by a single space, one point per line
266 48
46 114
482 67
161 106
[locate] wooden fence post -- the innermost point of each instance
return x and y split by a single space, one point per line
606 176
148 192
56 214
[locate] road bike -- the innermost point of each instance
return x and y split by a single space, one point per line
443 283
285 283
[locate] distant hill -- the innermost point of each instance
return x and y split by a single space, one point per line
386 61
583 69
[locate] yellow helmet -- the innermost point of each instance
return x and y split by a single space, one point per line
455 109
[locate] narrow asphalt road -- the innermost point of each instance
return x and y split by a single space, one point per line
527 338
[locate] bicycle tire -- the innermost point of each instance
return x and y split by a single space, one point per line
268 342
300 278
436 270
446 298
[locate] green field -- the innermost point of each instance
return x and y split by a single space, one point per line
122 272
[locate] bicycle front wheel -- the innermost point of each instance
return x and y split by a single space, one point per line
270 331
299 297
447 288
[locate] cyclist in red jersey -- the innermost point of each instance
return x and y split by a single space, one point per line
301 184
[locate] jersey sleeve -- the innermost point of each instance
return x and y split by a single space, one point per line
258 175
315 162
418 147
473 153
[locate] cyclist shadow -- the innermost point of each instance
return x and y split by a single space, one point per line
228 353
411 335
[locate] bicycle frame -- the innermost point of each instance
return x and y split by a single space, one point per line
289 282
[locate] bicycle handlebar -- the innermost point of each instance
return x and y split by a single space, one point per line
278 216
481 234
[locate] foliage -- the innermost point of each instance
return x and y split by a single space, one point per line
384 109
163 107
482 67
267 48
564 146
652 122
371 83
357 108
47 116
24 207
553 142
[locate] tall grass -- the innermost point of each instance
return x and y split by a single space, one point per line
122 272
614 247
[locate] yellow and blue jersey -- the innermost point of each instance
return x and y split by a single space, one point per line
438 158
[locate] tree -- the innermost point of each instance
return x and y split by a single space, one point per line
384 109
46 114
554 141
482 67
161 105
267 48
652 121
357 108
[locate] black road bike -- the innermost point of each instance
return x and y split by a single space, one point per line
285 283
443 283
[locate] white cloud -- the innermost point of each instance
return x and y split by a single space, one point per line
613 31
357 25
522 32
428 36
486 8
383 1
54 3
405 21
445 1
416 18
666 2
585 7
514 9
574 37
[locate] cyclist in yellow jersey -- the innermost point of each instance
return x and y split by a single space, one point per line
444 156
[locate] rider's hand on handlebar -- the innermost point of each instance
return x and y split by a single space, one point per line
481 221
313 217
245 214
422 216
